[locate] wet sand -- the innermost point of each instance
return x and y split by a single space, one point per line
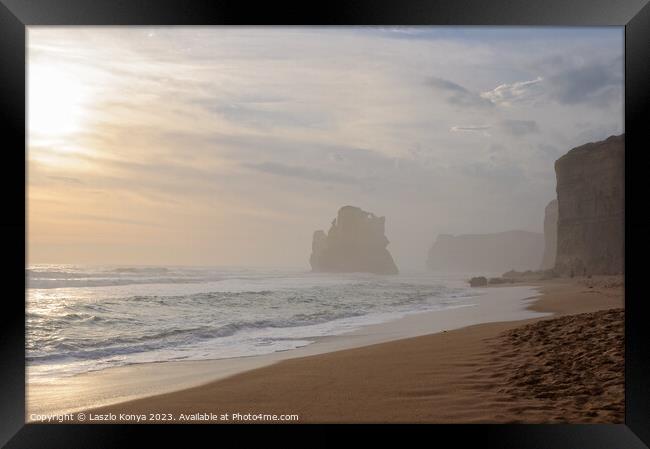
561 368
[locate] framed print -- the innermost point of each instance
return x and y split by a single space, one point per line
356 213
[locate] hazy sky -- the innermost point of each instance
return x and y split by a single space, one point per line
231 145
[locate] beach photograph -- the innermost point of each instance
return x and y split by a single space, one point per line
340 224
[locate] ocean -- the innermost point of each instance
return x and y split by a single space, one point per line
86 318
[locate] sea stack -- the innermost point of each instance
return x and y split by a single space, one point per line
355 243
591 208
550 235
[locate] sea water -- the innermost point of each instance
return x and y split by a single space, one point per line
85 318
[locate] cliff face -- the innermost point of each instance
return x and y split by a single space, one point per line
354 243
550 235
488 253
591 208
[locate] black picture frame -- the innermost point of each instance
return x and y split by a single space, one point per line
634 15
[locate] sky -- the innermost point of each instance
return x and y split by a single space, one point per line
230 146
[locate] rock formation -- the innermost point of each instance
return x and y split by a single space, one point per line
591 208
480 281
550 235
354 243
486 253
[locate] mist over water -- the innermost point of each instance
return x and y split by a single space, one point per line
82 318
243 141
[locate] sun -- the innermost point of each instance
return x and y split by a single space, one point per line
55 101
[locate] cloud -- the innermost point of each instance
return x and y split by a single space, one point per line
567 81
590 84
520 127
309 174
66 179
471 129
506 94
468 128
269 115
287 124
458 95
111 219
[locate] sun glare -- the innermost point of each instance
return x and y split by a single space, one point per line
56 100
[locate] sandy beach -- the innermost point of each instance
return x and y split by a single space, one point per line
98 388
564 367
325 225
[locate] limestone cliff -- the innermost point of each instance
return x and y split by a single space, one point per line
591 208
355 243
487 253
550 235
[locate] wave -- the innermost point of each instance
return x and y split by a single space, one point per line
168 338
241 314
63 317
72 277
105 282
156 270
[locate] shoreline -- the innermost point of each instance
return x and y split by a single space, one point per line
464 344
136 381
